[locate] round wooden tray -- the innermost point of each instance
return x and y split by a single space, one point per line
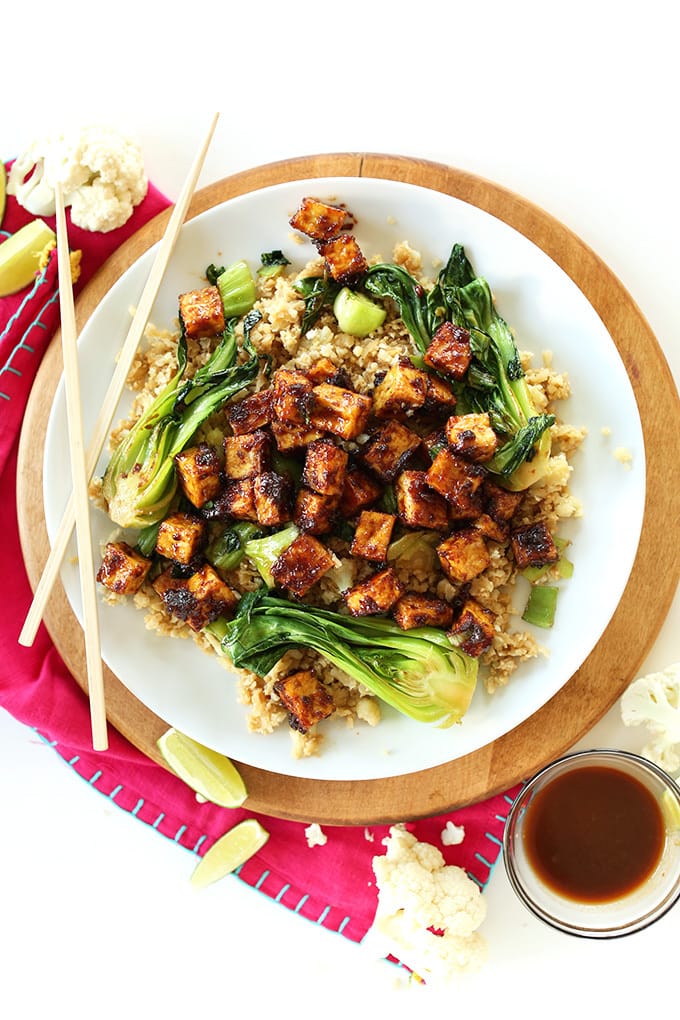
608 669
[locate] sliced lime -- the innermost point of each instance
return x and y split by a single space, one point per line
20 256
229 852
208 773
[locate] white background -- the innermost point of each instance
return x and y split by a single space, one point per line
572 106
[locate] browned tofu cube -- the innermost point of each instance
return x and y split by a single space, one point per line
459 482
344 258
251 413
322 371
123 570
181 537
377 594
416 610
236 499
471 436
359 492
473 629
434 442
202 312
314 512
403 389
300 566
289 438
533 546
500 504
449 352
318 220
497 531
339 411
373 535
325 467
418 505
463 555
273 495
439 396
199 471
198 599
248 455
305 699
291 396
389 449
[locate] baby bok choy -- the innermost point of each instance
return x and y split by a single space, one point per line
140 483
418 672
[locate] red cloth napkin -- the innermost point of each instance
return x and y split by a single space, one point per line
331 885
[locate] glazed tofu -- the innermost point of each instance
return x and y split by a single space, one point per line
439 397
373 535
416 610
389 449
248 455
199 473
402 391
322 371
198 599
471 436
289 438
340 411
497 531
315 512
449 351
291 397
474 628
500 504
302 564
272 494
123 570
463 555
459 482
318 220
359 492
418 505
305 699
202 312
533 546
181 537
251 413
344 258
377 594
237 500
325 468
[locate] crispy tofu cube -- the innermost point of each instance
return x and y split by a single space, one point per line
533 546
416 610
314 512
251 413
236 499
439 397
344 258
198 599
289 438
418 505
449 351
373 535
202 312
474 628
181 537
291 396
471 436
325 467
123 570
339 411
322 371
248 455
302 564
305 699
402 390
463 555
389 448
318 220
199 471
359 492
459 482
500 504
272 494
377 594
497 531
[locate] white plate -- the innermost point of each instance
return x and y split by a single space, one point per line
548 312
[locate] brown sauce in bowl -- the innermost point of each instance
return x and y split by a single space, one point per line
594 834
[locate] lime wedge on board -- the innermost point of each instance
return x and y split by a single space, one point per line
208 773
20 256
229 852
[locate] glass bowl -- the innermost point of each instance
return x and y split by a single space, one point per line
592 843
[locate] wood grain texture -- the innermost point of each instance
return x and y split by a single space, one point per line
602 678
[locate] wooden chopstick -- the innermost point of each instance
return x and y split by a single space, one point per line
102 426
80 480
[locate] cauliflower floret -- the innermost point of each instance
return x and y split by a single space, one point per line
101 172
654 701
428 911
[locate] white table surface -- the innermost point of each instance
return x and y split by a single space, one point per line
574 108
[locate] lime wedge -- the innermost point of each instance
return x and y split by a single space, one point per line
208 773
3 191
20 256
229 852
671 810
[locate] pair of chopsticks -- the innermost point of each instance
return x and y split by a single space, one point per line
84 461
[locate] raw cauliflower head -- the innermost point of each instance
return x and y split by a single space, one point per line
653 701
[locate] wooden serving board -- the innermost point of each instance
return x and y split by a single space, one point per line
627 640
